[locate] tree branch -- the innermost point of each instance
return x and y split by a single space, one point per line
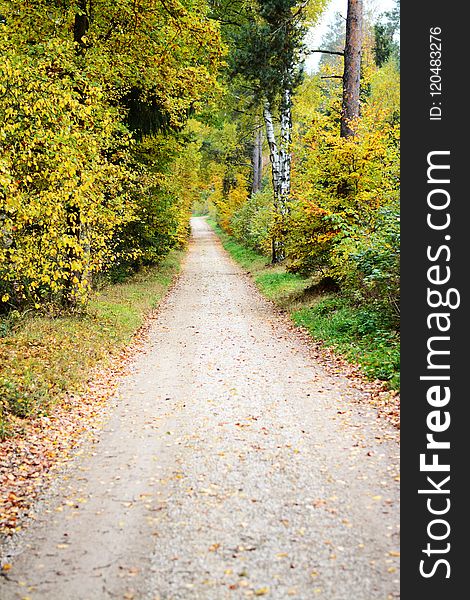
326 52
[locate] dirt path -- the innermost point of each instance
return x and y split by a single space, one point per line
231 466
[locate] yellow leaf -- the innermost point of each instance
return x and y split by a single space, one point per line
262 591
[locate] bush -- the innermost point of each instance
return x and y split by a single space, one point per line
65 185
368 264
309 239
252 223
344 222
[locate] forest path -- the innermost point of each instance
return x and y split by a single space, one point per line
231 466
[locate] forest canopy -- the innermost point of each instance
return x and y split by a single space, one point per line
93 100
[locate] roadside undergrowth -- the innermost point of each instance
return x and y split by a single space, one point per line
59 374
44 358
358 334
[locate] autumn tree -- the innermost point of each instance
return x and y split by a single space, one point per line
74 78
268 54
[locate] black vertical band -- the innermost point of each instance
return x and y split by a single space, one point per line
435 272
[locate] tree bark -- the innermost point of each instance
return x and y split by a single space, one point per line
273 150
285 151
257 159
80 26
280 155
352 67
73 214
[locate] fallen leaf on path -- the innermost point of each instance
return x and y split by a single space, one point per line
262 591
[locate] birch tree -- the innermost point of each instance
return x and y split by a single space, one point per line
280 156
268 52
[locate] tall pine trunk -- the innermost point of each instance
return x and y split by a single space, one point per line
352 67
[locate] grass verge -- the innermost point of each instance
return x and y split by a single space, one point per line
359 334
43 357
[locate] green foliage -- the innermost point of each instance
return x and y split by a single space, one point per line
310 238
252 223
267 48
385 31
362 335
167 168
65 185
344 216
369 265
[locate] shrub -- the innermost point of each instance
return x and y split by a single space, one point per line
252 223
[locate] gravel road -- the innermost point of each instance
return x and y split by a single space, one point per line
230 466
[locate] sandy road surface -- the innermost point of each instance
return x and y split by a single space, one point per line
231 466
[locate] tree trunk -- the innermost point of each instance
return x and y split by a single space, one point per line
73 215
257 159
280 156
352 67
80 26
273 151
285 151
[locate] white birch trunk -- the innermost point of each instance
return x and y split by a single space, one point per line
280 156
273 149
285 153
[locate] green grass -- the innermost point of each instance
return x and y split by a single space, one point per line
42 357
356 333
278 285
361 335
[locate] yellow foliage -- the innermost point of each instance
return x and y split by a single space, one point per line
61 199
70 187
225 202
